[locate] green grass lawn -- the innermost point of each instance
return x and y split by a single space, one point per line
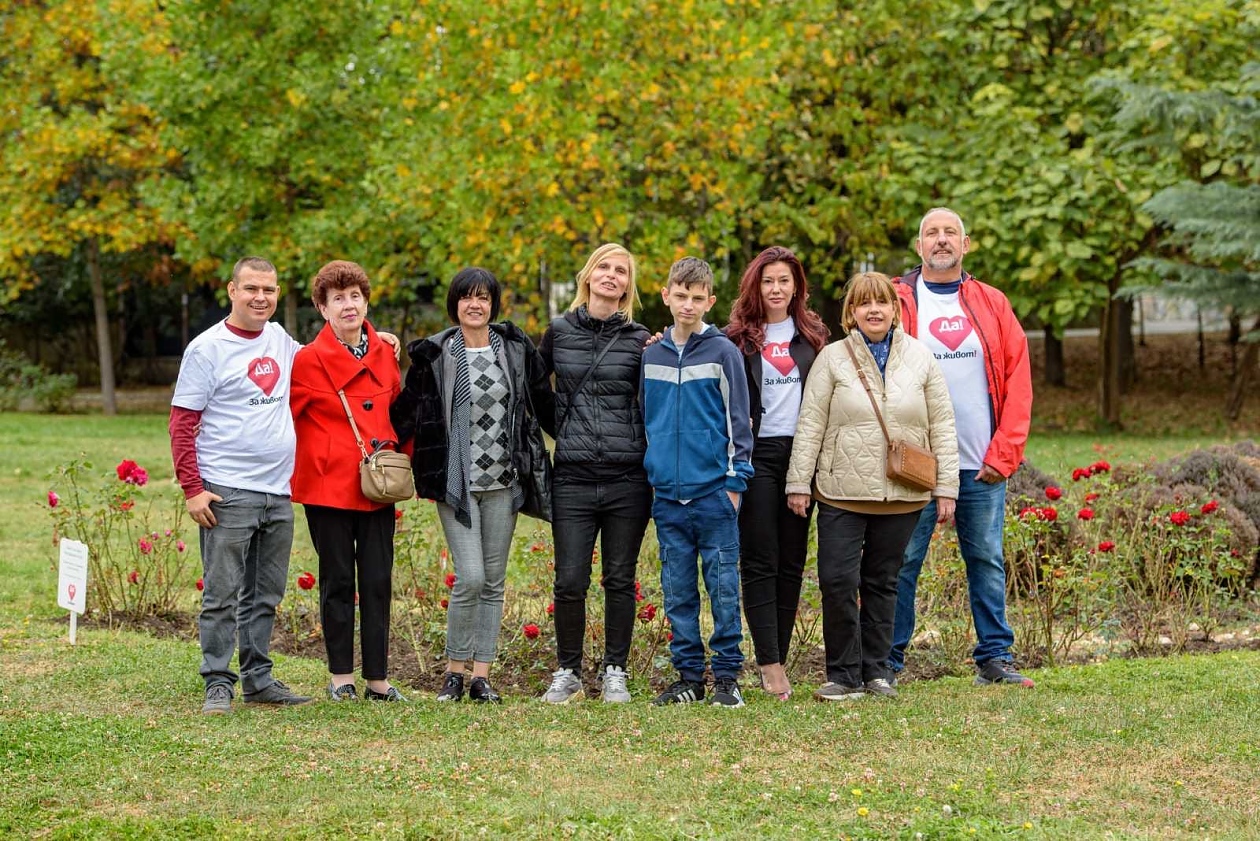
105 739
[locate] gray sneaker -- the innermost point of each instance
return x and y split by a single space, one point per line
1001 671
838 692
218 700
614 681
276 694
881 688
565 686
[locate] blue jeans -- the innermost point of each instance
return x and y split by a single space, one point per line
245 562
708 527
979 517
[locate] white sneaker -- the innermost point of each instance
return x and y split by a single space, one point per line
565 686
615 691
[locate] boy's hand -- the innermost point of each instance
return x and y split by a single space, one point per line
734 497
799 503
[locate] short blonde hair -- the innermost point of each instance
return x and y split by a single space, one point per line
629 299
863 288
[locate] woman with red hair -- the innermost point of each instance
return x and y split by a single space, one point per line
779 337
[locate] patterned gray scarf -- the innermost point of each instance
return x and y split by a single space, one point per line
458 449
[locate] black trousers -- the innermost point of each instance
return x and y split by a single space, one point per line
346 542
859 554
773 543
618 513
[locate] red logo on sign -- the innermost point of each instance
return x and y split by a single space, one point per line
265 373
70 590
951 332
777 354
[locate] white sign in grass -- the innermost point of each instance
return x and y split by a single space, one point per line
72 581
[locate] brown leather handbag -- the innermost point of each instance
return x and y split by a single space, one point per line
908 464
384 475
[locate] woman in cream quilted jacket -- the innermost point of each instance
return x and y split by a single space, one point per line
839 459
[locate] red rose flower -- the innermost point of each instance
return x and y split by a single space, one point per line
306 581
125 468
1029 512
1179 518
648 612
180 546
1085 514
445 604
398 513
450 580
201 584
1100 467
53 499
669 635
1053 494
1106 546
134 576
1209 506
1080 473
1049 513
126 505
551 609
145 547
1091 496
531 631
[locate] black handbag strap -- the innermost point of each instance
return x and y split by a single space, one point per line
866 385
585 379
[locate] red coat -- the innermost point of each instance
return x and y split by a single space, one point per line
327 467
1006 363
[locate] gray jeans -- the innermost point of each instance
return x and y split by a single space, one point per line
245 562
480 555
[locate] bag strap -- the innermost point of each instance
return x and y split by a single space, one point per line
354 426
866 385
585 379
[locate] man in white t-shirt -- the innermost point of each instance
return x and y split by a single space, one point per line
233 444
982 351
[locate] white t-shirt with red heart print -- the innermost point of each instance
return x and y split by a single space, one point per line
780 382
241 387
947 331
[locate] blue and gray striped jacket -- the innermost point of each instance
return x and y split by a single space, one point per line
695 411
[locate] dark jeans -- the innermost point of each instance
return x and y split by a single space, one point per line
244 562
707 527
618 513
345 541
859 554
773 543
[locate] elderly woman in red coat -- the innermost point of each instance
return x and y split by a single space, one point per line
350 532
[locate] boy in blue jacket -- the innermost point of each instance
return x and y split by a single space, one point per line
699 460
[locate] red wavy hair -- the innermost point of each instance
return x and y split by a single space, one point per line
748 314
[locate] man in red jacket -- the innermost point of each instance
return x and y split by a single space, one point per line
978 342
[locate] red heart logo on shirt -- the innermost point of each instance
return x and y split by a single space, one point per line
778 355
265 372
951 332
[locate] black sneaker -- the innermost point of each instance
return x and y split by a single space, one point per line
1001 671
482 692
218 700
726 693
832 691
345 692
276 694
452 687
681 691
391 694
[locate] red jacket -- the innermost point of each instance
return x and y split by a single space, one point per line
327 468
1005 361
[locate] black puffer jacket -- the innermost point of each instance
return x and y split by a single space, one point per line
422 412
602 425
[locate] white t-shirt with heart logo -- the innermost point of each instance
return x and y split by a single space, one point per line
947 331
241 387
780 382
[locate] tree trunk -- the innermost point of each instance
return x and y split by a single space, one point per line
1109 362
104 351
1128 352
1056 372
1242 377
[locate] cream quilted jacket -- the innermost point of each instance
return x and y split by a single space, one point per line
839 448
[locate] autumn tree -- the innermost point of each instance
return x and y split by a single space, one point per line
78 150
